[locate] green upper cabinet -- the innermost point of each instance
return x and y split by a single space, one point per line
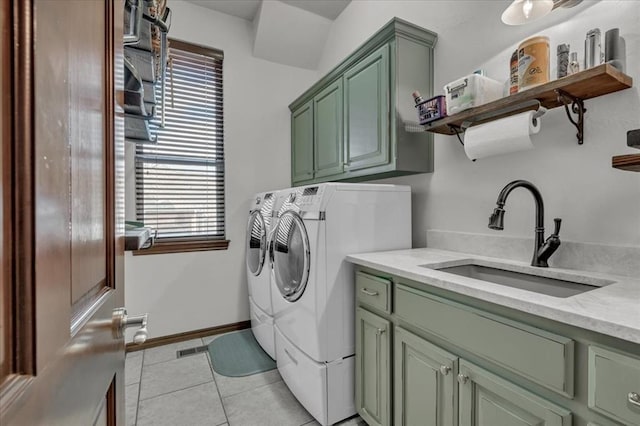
327 131
367 99
366 111
302 143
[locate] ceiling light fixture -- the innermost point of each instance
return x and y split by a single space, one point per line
524 11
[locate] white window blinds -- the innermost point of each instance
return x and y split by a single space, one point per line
180 179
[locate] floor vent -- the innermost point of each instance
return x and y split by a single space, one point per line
191 351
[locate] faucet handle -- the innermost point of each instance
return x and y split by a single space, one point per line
550 245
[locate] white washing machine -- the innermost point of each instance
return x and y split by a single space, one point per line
259 229
313 286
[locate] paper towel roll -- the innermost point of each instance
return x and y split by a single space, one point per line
502 136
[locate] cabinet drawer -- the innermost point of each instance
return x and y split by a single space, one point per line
373 291
613 378
539 356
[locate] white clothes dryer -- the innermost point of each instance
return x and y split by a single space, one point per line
259 228
313 286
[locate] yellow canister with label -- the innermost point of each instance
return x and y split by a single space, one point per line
533 62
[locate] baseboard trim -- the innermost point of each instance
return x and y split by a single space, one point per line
188 335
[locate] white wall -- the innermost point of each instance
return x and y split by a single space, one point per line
189 291
597 203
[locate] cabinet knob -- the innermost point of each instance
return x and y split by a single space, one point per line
444 369
380 331
634 398
462 379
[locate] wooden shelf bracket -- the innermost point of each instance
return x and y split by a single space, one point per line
577 107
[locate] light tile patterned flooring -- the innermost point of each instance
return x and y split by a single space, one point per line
163 390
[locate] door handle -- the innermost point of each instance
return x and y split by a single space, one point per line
121 321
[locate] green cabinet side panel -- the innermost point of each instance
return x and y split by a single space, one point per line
328 131
373 368
487 400
540 356
612 377
302 143
366 111
425 391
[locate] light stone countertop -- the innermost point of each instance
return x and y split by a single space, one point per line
613 309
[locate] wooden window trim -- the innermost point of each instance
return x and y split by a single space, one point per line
183 246
196 48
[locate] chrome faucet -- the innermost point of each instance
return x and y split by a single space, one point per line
543 249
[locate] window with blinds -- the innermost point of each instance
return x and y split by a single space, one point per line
180 179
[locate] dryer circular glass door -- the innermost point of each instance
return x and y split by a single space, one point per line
256 243
291 256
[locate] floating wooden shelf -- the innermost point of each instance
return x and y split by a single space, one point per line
629 162
587 84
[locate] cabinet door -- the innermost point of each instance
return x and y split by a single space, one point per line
487 400
373 368
425 389
614 382
302 143
327 130
366 111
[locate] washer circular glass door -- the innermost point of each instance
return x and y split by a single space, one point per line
291 256
256 243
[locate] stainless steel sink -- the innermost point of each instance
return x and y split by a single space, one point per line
535 283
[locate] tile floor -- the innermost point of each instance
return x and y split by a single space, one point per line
163 390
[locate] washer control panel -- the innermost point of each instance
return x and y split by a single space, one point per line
310 198
304 199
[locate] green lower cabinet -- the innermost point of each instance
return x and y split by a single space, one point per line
373 368
614 385
425 387
458 361
487 400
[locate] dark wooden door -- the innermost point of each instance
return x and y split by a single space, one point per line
63 180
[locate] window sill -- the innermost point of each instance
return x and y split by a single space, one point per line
183 246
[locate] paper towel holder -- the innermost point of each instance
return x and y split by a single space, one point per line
527 105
